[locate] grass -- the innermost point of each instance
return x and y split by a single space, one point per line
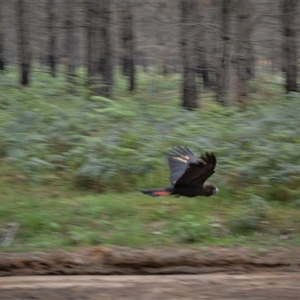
72 165
68 219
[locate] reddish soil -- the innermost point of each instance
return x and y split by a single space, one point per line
205 273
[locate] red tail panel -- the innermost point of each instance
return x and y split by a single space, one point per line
160 193
156 192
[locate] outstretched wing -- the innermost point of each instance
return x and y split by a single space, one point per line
197 173
179 159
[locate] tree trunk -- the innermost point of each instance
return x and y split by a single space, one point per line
225 76
202 45
71 46
92 39
23 39
244 49
106 64
189 92
202 68
51 37
99 47
2 31
289 15
161 36
128 66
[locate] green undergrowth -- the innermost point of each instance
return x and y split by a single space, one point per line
52 136
72 163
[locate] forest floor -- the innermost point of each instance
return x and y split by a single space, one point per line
126 273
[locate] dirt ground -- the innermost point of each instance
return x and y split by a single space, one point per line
136 287
125 273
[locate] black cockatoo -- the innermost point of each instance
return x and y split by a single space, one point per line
188 175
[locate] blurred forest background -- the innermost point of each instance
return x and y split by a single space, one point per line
94 93
222 42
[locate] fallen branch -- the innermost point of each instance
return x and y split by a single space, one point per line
10 234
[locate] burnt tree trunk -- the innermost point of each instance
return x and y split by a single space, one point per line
51 59
70 39
289 15
23 40
128 67
188 25
99 47
224 76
